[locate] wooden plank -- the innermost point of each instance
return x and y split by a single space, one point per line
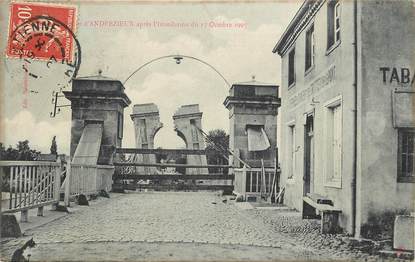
29 207
257 182
24 185
319 199
11 184
30 183
67 183
176 187
40 184
169 165
45 188
47 183
43 183
93 166
28 163
277 198
160 151
184 177
19 168
16 184
250 180
37 172
321 207
52 183
176 174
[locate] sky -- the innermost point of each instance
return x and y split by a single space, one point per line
238 53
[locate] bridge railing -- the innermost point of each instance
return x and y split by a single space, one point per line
87 180
31 184
133 172
254 181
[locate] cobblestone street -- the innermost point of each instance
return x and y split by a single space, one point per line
180 226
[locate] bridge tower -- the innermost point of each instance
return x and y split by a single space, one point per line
253 108
187 122
147 123
97 104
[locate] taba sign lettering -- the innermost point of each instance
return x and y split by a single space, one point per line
397 75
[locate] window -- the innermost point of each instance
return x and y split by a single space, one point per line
406 167
333 23
291 67
334 143
309 48
337 22
291 151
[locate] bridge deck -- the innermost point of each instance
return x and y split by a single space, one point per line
177 187
169 165
160 151
176 176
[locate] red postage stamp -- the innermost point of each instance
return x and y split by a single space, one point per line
41 31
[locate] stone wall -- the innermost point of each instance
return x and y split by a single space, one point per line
387 31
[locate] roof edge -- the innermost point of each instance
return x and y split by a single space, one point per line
307 10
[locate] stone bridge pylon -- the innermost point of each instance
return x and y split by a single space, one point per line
146 118
187 122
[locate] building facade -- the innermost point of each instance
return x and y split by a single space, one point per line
347 113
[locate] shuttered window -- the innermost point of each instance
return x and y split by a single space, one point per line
406 166
291 67
337 22
333 143
309 48
333 22
337 142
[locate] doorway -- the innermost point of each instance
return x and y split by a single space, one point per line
308 155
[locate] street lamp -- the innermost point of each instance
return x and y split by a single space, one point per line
178 59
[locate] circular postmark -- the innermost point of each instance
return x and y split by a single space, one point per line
48 49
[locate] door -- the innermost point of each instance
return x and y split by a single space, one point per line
308 155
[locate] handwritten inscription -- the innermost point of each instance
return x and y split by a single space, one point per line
317 85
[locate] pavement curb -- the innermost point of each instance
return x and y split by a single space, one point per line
26 230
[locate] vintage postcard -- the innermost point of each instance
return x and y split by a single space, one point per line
207 130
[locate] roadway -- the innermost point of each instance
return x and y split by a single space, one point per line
180 226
